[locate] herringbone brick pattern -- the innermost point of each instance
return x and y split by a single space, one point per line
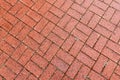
59 39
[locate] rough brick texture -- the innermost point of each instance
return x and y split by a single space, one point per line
59 39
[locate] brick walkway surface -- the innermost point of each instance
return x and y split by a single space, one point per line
59 39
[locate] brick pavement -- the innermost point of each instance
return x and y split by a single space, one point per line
59 39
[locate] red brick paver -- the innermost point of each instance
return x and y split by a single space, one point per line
59 39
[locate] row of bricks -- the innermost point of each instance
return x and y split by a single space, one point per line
107 71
